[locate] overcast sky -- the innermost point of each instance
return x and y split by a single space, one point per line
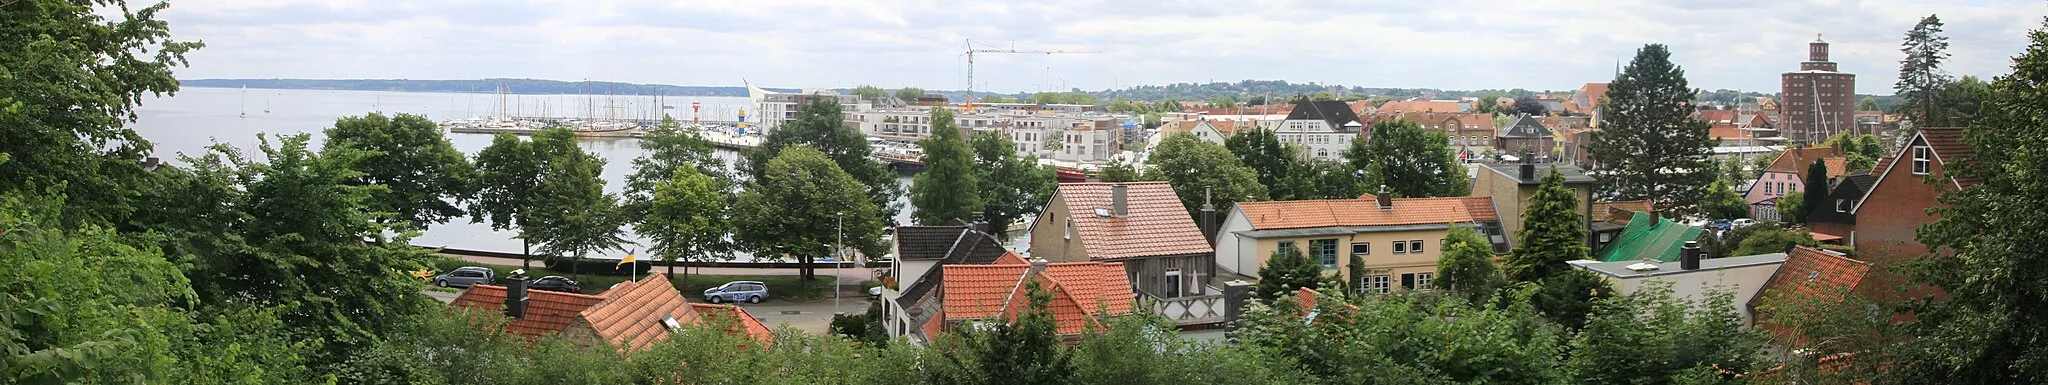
1449 44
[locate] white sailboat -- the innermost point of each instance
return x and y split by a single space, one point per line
245 102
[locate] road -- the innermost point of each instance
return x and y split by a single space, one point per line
847 276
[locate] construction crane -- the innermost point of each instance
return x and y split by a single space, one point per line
1013 49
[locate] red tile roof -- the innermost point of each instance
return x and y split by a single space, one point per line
1948 146
1080 290
1011 258
630 317
1718 116
1419 106
1354 212
1481 208
1809 273
1796 160
1158 225
1600 208
740 320
547 312
980 291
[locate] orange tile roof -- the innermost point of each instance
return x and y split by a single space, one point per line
1809 273
979 291
1080 291
1948 146
741 320
547 312
1158 225
630 317
1419 106
1481 208
1353 212
1724 131
1595 93
1718 116
1011 258
1795 160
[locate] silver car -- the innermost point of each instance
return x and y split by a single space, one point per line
737 291
464 276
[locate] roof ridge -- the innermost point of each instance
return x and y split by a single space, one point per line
531 292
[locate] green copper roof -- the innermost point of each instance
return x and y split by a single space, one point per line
1649 237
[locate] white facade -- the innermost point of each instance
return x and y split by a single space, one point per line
1316 137
774 109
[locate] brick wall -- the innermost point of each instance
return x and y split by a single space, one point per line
1887 217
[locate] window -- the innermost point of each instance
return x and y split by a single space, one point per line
1921 157
1361 248
1422 280
1287 246
1415 246
1172 283
1325 250
1408 281
1842 205
1400 247
1378 284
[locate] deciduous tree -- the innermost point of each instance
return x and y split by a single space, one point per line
1198 169
423 175
1261 150
1466 267
665 149
796 209
821 126
1650 145
948 191
1410 162
909 94
687 221
1287 270
572 216
1650 336
1528 105
1011 186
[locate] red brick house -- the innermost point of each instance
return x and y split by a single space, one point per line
1897 202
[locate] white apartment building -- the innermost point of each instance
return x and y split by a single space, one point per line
1323 129
773 109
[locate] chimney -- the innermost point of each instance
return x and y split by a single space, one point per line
1119 198
1208 217
1528 170
1386 200
979 225
1037 265
515 296
1689 258
1235 295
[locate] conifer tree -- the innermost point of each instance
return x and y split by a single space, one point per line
1355 273
1466 267
1650 146
1552 233
1816 193
1287 270
946 192
1921 80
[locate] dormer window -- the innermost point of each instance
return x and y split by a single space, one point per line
1922 160
1842 205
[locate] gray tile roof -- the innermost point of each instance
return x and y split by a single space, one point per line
1525 127
1572 174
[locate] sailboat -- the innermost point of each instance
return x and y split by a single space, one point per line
266 106
245 102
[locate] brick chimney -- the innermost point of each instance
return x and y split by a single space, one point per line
515 296
1119 200
1386 199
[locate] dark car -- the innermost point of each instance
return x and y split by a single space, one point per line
556 283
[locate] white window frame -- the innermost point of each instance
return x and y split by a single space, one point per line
1172 283
1415 246
1923 159
1422 280
1379 284
1355 245
1400 247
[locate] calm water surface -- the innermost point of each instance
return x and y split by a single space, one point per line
198 117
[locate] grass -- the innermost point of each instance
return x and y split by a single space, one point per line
779 286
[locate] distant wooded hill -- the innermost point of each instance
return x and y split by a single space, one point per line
516 86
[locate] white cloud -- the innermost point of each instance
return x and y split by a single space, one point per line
1452 44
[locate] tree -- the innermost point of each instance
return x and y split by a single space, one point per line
1920 76
1792 208
1566 299
1223 101
1553 233
686 221
1011 186
868 92
1324 179
1261 150
1650 336
1355 274
821 126
1987 330
1650 146
665 149
1770 240
947 192
1199 170
74 79
1815 194
1466 267
1528 105
1862 151
1408 161
1323 96
909 94
1866 104
571 215
1723 202
1119 171
1026 350
507 178
1964 99
797 206
423 175
1488 103
1287 270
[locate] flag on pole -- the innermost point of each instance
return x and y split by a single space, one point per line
628 259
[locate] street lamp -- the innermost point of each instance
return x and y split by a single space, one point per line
838 248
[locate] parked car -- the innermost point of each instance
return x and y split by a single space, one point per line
737 291
556 283
875 292
1722 225
1741 223
464 276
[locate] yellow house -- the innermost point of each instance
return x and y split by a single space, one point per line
1398 239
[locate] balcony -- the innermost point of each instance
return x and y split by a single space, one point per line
1190 310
